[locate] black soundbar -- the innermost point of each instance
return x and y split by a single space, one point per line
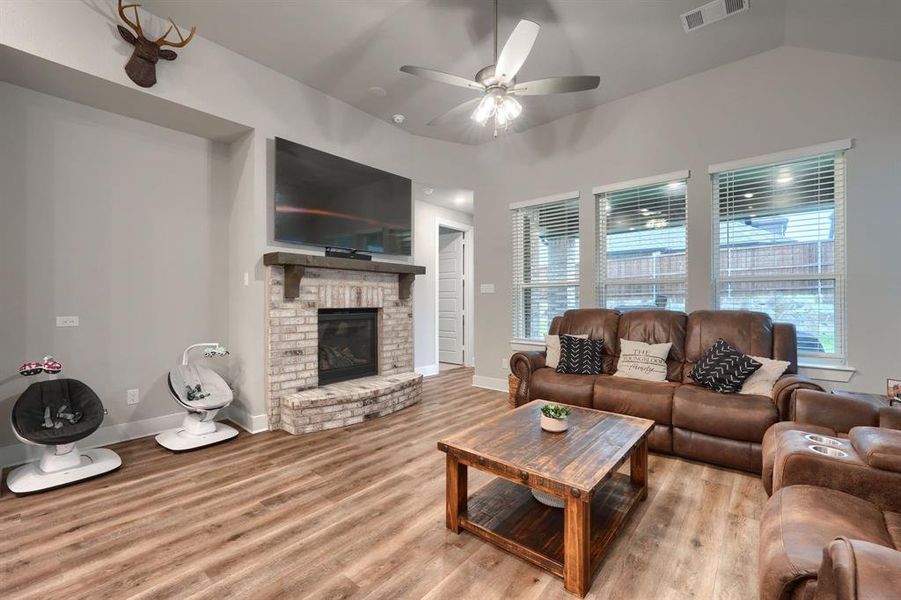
338 252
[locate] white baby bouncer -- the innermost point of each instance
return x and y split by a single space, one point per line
203 393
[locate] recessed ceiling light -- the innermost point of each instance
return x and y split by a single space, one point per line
398 118
428 191
377 91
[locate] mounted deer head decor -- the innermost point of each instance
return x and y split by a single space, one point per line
141 67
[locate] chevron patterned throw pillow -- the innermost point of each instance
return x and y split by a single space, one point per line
580 357
723 368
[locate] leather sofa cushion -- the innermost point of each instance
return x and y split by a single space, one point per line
798 522
735 416
657 327
547 384
748 332
599 324
716 450
879 448
635 397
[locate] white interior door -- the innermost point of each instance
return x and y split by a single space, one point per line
451 307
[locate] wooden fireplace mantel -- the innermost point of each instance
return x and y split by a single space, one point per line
296 263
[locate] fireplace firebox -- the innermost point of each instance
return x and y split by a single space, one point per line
348 344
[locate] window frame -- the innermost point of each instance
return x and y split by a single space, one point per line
518 333
838 275
600 270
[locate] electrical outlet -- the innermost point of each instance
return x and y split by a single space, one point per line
133 396
505 362
486 288
67 321
246 278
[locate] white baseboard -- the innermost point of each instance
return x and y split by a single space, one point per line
21 453
248 422
490 383
428 370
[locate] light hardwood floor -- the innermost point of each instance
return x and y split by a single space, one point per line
351 513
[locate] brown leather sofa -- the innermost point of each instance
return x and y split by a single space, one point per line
833 415
690 420
801 522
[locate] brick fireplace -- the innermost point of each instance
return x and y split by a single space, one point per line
340 341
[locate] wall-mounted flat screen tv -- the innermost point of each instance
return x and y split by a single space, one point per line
325 200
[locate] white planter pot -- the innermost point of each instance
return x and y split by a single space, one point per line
554 425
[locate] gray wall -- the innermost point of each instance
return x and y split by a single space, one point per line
116 221
782 99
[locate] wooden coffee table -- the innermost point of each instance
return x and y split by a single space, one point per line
578 466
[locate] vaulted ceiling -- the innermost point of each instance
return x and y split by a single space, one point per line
346 47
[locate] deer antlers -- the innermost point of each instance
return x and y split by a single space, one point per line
160 41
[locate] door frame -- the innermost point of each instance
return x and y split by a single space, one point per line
468 292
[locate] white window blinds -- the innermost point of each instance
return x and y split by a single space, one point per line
781 246
545 265
641 247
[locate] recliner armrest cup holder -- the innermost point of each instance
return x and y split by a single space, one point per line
823 440
828 451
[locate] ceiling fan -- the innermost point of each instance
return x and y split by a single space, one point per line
497 82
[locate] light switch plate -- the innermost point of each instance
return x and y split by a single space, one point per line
133 396
487 288
67 321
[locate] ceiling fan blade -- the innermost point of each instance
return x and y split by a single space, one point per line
457 112
557 85
516 50
442 77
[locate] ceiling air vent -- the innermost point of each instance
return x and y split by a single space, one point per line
712 12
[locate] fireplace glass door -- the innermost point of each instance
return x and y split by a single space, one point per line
348 344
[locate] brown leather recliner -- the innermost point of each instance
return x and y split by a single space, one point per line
821 413
800 521
690 420
856 570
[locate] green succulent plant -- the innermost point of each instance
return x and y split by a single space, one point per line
555 411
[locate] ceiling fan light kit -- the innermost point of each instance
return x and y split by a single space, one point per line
497 82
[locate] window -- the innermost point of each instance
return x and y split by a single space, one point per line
545 263
781 241
641 244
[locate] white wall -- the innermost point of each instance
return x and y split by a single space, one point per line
116 221
426 220
782 99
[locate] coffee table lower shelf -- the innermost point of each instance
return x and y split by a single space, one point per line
505 514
